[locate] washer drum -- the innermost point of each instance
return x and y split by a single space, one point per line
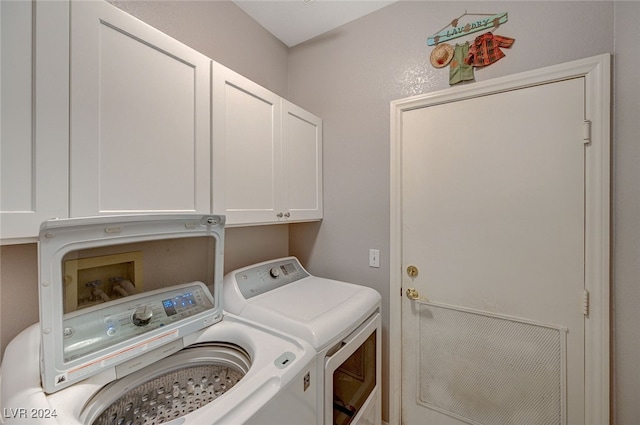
169 388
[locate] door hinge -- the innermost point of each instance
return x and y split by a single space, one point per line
585 302
586 132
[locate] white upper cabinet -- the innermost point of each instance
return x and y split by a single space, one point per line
266 154
302 163
140 117
34 135
247 167
103 114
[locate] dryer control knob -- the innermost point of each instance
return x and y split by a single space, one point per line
274 272
142 316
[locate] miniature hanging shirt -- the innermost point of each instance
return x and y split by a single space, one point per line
458 69
485 49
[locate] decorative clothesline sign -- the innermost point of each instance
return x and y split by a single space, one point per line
469 28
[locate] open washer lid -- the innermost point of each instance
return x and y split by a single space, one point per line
283 295
115 288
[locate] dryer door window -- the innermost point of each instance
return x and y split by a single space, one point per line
353 382
351 376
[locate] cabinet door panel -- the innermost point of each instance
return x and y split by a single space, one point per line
35 115
251 148
17 134
247 156
139 117
302 146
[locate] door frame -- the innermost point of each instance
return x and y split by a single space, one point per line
597 74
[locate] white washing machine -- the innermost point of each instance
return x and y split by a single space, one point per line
132 331
340 320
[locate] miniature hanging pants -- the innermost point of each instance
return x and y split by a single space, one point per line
459 70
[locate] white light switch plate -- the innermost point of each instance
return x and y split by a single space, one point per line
374 258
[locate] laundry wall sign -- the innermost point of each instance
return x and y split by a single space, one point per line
459 30
465 56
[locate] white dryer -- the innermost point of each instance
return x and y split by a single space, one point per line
339 319
132 331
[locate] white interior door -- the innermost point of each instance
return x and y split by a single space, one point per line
493 201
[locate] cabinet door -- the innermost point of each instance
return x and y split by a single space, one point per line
140 114
35 116
246 154
302 163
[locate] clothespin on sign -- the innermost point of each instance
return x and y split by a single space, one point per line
459 30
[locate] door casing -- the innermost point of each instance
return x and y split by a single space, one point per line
596 72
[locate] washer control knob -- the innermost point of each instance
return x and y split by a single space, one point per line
274 272
142 316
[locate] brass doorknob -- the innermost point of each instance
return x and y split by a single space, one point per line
412 294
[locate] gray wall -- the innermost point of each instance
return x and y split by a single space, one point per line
349 76
626 214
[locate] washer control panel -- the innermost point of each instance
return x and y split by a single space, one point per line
268 276
94 329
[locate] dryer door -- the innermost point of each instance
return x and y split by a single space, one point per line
352 377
